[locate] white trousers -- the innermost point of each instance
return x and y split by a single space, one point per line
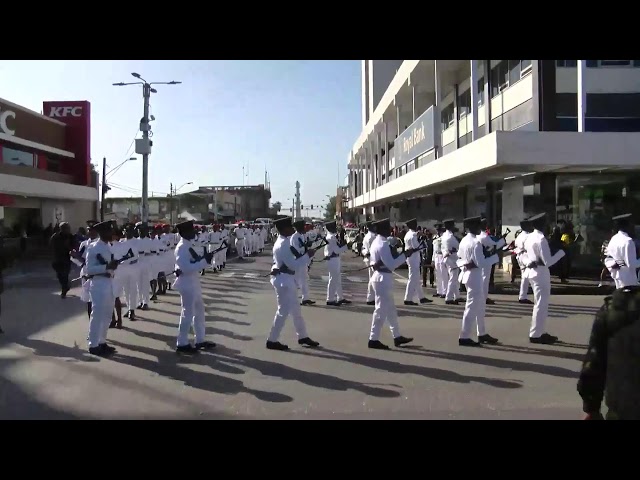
371 296
334 287
541 285
524 288
385 310
453 285
223 254
102 303
144 277
302 282
129 278
192 312
216 260
240 247
486 276
475 306
287 298
441 274
414 287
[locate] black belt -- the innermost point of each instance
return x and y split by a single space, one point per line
283 269
333 255
153 251
381 269
536 264
140 253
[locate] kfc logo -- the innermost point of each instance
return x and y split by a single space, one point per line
4 118
61 112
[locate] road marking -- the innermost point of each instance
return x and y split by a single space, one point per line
402 280
226 274
357 279
251 275
325 278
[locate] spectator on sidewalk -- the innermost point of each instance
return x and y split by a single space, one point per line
62 243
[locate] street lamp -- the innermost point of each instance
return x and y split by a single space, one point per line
105 188
172 193
144 147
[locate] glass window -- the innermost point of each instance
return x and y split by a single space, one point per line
464 103
615 63
500 77
447 116
592 63
525 66
566 63
481 91
11 156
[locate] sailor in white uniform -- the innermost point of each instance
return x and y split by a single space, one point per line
450 246
367 241
490 246
621 258
526 227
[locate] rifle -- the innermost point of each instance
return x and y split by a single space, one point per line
489 252
102 261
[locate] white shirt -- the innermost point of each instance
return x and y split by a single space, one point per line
489 243
284 259
240 233
622 249
437 245
449 248
185 261
537 250
380 255
131 244
144 246
332 249
470 253
94 265
215 237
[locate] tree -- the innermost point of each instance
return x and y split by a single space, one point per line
330 210
276 206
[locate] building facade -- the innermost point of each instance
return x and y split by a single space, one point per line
46 175
503 138
246 202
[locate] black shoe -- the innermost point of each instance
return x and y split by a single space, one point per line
97 351
187 349
112 324
436 295
544 339
409 302
145 307
377 345
153 298
488 339
276 346
425 300
205 345
308 342
489 301
526 301
468 342
443 296
307 302
371 303
451 302
399 341
334 304
140 305
344 301
107 348
432 286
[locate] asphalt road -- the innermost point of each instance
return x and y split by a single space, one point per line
45 371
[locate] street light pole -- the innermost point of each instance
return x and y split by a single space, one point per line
104 187
144 147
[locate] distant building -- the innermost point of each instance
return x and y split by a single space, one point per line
247 202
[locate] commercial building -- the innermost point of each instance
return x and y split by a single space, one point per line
249 201
505 138
46 175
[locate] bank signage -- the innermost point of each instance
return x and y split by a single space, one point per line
7 117
415 140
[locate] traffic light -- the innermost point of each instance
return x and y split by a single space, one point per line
311 207
301 207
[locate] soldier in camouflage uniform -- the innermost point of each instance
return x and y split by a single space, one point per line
611 368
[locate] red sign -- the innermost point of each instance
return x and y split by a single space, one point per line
77 116
6 200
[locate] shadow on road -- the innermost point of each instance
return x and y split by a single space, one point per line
579 357
402 368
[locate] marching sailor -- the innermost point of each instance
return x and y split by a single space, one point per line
240 233
215 239
299 247
285 264
621 258
121 254
100 268
81 260
473 263
538 259
129 272
383 263
145 266
335 246
490 246
450 247
525 225
187 284
367 241
414 289
439 267
225 239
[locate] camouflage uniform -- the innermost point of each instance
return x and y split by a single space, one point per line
611 368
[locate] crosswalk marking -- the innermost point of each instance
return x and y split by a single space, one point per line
226 274
403 281
251 275
357 279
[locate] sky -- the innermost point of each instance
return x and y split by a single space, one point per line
297 118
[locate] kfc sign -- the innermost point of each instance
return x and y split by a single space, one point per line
61 112
4 119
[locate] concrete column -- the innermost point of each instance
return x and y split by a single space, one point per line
487 97
437 121
379 162
582 94
387 158
456 114
413 102
398 120
474 100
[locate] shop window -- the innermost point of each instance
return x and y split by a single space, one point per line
18 158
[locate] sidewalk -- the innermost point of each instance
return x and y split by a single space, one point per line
578 286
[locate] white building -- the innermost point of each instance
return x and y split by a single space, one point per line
553 138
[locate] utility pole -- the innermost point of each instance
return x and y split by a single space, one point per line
171 202
297 202
104 187
143 146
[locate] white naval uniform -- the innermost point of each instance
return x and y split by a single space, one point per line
101 293
488 243
519 251
215 239
144 270
168 259
332 256
84 248
190 290
382 283
285 286
414 287
119 251
537 250
225 237
129 274
297 242
240 233
366 251
622 251
156 258
263 237
450 247
439 267
473 264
